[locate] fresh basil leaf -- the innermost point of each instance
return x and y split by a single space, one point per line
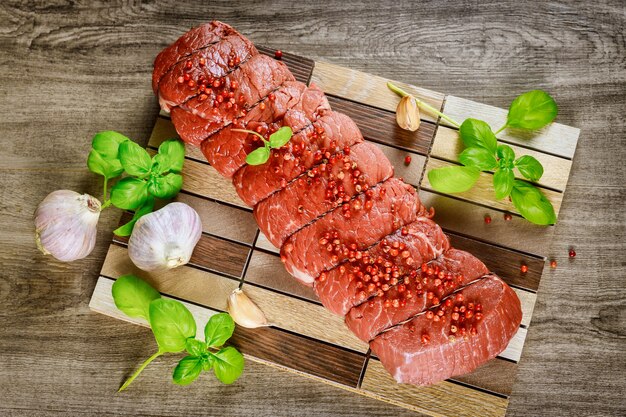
258 156
207 361
280 137
160 164
129 193
478 133
529 167
506 153
107 143
479 158
108 168
133 296
503 182
172 324
195 347
532 204
187 370
167 186
135 159
532 110
219 329
454 179
228 365
127 229
174 152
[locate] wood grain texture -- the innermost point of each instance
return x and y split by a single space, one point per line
483 193
448 145
70 69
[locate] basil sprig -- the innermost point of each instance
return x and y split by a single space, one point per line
113 154
531 110
174 329
276 140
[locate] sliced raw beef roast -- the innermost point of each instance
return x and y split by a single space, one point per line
452 338
329 201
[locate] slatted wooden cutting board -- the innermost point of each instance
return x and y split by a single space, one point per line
306 338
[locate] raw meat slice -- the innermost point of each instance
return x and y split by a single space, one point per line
198 71
207 113
421 289
426 350
381 267
330 134
353 226
197 38
321 190
293 104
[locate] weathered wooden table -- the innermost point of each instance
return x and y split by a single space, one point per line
68 70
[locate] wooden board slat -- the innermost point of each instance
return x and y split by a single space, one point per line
443 399
556 139
448 145
380 126
265 345
482 192
368 89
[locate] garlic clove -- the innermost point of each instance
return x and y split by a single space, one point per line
408 114
66 224
165 239
244 311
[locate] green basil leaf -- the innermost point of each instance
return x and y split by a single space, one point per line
280 137
133 296
258 156
108 168
503 182
228 365
454 179
195 347
146 208
506 153
478 133
479 158
532 110
135 159
172 324
160 164
167 186
129 193
219 329
187 370
529 167
207 361
532 204
174 152
107 143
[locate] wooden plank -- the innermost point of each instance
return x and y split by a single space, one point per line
368 89
527 301
263 243
447 145
514 349
443 399
266 270
411 173
497 375
300 67
517 233
482 192
503 262
263 345
163 130
380 126
556 139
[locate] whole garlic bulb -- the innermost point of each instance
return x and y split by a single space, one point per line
66 223
165 238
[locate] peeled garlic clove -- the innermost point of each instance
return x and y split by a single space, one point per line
244 311
66 223
165 238
408 114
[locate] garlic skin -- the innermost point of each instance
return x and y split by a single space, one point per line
165 238
244 311
66 224
408 114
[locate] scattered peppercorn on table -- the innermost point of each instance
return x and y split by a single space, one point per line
303 330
